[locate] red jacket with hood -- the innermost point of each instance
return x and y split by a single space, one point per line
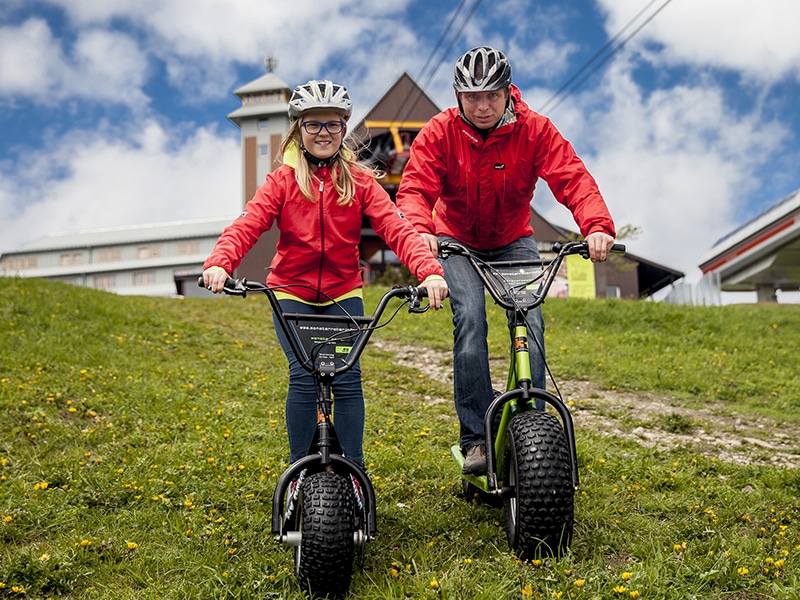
318 243
479 190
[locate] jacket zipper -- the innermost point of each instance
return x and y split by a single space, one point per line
322 242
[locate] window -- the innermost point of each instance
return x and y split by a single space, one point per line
613 291
20 263
263 123
144 278
109 255
105 282
263 150
71 258
146 252
186 248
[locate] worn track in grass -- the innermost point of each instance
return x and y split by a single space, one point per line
652 420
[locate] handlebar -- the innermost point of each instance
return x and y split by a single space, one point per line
510 282
344 354
241 287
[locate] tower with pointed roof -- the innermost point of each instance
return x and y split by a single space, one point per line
263 120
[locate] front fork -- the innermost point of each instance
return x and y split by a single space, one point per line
325 454
515 400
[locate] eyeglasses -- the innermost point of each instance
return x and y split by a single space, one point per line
314 127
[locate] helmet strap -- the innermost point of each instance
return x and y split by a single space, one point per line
318 162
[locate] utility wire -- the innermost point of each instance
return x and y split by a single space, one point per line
558 97
441 39
409 106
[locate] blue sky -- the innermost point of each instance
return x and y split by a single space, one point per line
114 113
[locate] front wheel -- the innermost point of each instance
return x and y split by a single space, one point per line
538 491
324 558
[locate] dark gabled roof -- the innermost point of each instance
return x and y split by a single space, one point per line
403 102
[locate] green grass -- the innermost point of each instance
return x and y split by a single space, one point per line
141 439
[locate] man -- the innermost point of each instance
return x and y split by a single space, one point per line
470 178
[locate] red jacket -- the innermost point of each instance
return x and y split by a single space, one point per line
479 191
318 243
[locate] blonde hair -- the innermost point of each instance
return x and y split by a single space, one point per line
342 167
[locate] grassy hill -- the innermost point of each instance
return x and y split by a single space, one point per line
141 439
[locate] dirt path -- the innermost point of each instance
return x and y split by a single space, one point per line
652 420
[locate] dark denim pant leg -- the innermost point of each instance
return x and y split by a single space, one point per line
301 399
472 385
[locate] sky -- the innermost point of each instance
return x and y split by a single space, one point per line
113 112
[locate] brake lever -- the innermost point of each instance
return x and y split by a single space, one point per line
414 304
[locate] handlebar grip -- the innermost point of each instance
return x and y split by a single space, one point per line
230 284
620 248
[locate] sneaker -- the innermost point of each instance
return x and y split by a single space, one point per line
475 461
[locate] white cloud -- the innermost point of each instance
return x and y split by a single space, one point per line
114 181
677 163
200 41
758 40
29 58
101 65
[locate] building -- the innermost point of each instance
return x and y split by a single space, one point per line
761 256
263 120
144 260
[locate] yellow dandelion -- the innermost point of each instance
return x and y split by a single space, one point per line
527 590
132 545
434 584
634 594
579 582
742 571
620 589
626 575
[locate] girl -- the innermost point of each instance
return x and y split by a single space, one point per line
318 198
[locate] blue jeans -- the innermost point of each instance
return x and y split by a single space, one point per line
472 385
301 399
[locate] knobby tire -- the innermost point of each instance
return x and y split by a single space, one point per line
539 506
324 559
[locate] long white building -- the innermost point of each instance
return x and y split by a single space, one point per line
162 259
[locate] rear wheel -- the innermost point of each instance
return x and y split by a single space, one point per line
324 558
538 494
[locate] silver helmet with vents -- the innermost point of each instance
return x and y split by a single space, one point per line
320 94
482 69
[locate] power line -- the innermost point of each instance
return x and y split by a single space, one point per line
560 95
441 39
410 105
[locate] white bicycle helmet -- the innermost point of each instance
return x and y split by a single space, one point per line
482 69
319 93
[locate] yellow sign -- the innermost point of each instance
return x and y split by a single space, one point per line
580 277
